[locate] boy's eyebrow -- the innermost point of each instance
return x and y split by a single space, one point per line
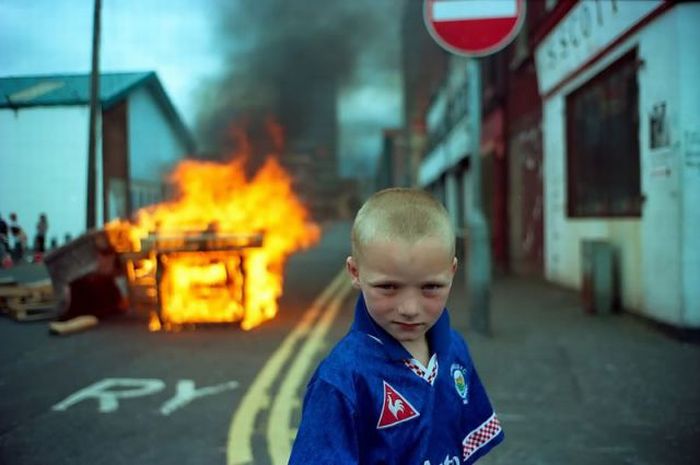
394 282
383 281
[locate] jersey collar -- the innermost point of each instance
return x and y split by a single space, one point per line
438 335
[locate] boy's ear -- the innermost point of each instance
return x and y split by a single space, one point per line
353 271
454 264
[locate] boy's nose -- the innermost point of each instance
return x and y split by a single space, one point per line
409 308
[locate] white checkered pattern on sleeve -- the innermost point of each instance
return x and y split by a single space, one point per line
480 436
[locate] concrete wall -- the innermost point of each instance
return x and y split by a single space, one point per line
661 229
689 111
526 195
658 253
154 148
43 168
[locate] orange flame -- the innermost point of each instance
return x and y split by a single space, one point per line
218 286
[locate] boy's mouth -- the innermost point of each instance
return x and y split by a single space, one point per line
408 326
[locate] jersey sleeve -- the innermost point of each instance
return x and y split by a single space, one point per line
328 431
484 431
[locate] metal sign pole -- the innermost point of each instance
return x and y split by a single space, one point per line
453 25
479 260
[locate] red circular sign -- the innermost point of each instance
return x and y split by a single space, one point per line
473 27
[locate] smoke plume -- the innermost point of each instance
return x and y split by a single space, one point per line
289 60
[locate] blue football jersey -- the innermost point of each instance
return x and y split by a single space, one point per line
370 403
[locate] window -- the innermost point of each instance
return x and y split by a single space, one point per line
602 120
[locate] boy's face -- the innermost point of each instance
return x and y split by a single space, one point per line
405 284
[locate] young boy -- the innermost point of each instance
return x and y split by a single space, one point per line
400 388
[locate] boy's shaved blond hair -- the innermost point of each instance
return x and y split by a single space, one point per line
401 213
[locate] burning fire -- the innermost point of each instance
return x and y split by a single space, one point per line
260 219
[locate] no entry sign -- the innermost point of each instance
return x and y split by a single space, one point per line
473 27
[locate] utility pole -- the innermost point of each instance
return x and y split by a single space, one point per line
95 107
479 260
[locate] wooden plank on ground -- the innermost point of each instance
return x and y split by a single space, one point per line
28 301
36 289
32 311
79 323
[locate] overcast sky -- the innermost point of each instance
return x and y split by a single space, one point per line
172 37
177 39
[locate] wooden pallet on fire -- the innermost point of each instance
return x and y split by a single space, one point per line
28 301
145 269
141 283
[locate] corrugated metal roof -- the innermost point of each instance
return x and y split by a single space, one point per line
74 89
26 91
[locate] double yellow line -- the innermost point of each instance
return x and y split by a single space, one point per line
257 398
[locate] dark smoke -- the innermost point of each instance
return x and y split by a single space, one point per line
289 59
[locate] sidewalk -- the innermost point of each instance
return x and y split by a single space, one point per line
577 389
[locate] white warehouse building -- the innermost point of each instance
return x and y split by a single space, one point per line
44 148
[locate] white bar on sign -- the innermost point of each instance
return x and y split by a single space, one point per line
455 10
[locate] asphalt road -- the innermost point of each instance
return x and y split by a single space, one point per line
118 394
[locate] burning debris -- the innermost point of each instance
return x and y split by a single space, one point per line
191 277
215 253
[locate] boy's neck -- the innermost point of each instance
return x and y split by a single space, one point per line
419 350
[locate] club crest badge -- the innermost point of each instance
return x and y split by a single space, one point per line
395 409
459 375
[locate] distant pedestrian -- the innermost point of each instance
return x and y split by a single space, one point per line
19 239
13 221
42 227
400 388
4 238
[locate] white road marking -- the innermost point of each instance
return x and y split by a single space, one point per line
186 393
108 392
108 401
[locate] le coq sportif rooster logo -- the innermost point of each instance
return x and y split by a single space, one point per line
395 408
